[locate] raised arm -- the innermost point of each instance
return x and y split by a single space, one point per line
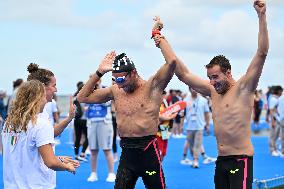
166 72
59 127
254 70
87 94
200 85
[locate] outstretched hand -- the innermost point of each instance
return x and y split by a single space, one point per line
68 159
260 6
72 108
71 168
158 25
106 63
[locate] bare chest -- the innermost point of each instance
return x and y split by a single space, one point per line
231 111
138 102
130 105
231 103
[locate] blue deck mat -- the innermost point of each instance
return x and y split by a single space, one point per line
177 176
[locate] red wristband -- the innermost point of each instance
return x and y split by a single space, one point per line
155 32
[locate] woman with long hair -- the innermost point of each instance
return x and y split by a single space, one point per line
28 158
47 78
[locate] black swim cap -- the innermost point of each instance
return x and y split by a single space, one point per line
122 63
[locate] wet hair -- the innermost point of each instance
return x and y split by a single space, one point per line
122 63
220 60
80 85
25 106
40 74
17 83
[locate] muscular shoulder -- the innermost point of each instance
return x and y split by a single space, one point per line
152 85
153 89
244 85
113 89
240 88
241 83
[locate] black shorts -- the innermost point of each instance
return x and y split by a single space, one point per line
257 113
234 172
177 119
140 158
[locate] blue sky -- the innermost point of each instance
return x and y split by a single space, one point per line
71 37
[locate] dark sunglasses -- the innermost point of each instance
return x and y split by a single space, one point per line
120 79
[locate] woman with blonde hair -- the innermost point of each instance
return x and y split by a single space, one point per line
28 158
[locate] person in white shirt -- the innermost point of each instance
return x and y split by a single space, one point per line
280 110
100 136
28 160
46 77
52 110
53 115
274 121
198 118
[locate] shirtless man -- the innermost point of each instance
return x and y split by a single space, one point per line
232 103
137 104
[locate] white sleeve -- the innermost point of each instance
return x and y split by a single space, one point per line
54 107
206 106
187 99
272 103
44 133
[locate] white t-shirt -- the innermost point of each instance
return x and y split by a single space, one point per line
23 166
44 115
273 104
51 108
280 108
195 112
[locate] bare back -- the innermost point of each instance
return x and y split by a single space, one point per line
231 115
137 113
